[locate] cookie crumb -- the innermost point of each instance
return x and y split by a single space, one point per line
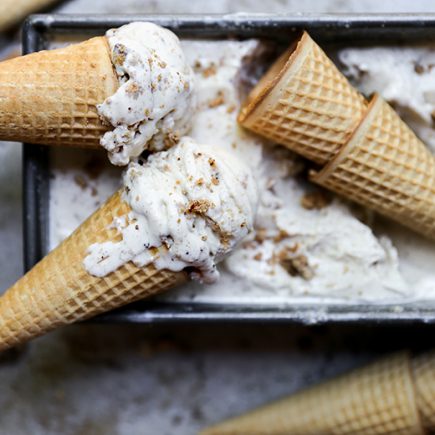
81 181
260 235
210 70
296 266
170 140
418 68
218 101
280 236
315 200
198 206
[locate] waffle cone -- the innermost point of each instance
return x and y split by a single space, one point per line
387 168
304 103
377 399
13 11
59 291
424 378
50 97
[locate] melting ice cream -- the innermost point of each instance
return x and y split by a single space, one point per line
190 205
304 247
153 105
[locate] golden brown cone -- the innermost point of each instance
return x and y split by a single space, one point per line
305 103
59 291
50 97
13 11
385 167
377 399
424 379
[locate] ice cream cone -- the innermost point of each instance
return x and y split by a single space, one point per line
50 97
423 368
59 290
385 167
304 103
12 11
377 399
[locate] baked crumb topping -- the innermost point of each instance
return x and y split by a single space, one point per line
199 206
296 266
315 200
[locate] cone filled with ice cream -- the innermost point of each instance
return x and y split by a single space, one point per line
305 103
179 213
377 399
128 91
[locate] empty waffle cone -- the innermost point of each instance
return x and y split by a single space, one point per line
13 11
305 103
385 167
377 399
50 97
59 290
424 379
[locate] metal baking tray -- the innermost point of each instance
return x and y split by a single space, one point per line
336 29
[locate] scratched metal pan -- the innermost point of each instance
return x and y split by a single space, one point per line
327 29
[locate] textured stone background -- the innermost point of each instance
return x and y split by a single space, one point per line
132 379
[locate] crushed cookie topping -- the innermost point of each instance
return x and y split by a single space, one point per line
218 101
199 206
210 70
296 266
315 200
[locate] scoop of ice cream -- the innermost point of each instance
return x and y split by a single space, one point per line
153 105
191 206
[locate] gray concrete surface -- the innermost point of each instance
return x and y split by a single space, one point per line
128 380
136 380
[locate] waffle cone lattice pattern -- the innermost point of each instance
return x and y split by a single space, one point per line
50 97
59 291
377 399
424 378
387 168
305 103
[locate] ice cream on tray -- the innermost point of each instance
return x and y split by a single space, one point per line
186 206
307 245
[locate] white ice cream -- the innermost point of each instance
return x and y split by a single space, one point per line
153 105
305 248
79 185
405 76
191 206
295 252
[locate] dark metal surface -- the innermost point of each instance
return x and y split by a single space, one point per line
327 29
